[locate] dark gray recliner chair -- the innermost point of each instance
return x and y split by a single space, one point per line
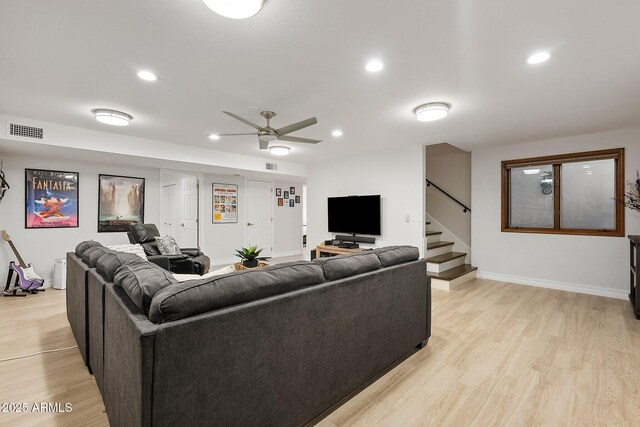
190 261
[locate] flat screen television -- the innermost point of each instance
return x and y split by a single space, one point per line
354 215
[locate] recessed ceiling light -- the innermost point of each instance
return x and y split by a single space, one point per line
586 166
589 172
147 75
112 117
538 58
432 111
531 171
374 66
214 136
279 150
235 9
336 133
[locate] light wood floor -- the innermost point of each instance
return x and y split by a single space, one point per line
500 354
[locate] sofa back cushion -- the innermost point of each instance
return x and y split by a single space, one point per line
392 255
130 249
83 246
109 263
141 280
93 254
338 267
200 296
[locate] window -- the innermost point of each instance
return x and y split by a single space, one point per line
567 194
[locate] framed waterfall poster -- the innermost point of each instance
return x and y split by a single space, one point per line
120 203
51 199
225 203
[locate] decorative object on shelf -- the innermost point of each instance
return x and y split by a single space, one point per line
292 190
280 201
632 195
225 203
297 199
286 194
292 203
278 192
4 185
51 199
250 256
120 203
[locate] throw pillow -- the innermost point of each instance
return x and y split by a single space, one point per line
167 246
130 249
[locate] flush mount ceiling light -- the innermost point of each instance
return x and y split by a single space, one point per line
538 58
235 9
214 136
374 66
531 171
432 111
336 133
112 117
279 150
147 75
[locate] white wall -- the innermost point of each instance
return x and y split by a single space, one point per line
397 175
287 222
42 246
595 265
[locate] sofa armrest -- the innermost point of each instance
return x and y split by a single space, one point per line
191 251
160 260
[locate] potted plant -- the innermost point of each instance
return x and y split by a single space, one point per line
250 256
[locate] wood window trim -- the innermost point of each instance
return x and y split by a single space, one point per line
616 154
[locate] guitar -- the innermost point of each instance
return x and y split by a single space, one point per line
4 185
29 280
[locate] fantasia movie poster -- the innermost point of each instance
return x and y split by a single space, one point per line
225 203
51 199
121 203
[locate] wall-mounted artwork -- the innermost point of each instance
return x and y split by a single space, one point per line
225 203
292 203
286 194
297 199
120 203
280 201
292 190
278 192
51 199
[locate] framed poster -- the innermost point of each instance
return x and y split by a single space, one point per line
120 203
225 203
278 192
51 199
280 201
291 203
286 194
292 190
297 199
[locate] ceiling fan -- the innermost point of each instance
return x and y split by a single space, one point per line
267 134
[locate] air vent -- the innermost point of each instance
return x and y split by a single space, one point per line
25 131
272 167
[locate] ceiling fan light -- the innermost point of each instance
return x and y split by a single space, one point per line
235 9
214 136
432 111
279 150
112 117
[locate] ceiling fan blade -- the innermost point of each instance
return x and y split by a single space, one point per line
236 134
245 121
298 139
263 144
297 126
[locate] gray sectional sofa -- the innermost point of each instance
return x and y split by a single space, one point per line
275 346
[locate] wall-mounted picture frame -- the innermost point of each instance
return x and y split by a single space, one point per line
278 192
292 190
297 199
120 203
280 201
286 194
224 198
292 203
51 199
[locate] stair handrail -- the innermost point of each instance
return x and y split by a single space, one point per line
465 208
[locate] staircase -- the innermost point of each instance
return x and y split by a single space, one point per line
446 268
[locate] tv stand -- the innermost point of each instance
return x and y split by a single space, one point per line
323 250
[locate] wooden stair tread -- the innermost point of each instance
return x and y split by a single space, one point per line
434 245
445 257
433 233
452 273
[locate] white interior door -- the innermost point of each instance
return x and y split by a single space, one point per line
189 213
168 210
259 213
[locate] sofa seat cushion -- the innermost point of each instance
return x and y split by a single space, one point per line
341 266
392 255
83 246
93 254
200 296
141 280
109 263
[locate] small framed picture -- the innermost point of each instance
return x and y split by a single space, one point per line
292 190
286 194
278 192
280 201
297 199
291 203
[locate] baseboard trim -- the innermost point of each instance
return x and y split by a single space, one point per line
550 284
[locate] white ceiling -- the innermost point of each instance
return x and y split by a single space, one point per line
60 59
